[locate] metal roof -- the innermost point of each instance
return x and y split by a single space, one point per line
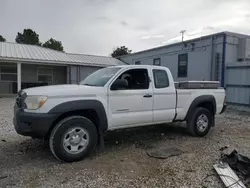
91 59
186 41
31 53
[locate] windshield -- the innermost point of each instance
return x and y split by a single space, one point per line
100 77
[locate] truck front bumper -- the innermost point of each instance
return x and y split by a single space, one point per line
35 125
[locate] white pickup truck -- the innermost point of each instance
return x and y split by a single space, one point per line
74 117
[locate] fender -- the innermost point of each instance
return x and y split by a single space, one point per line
198 101
95 105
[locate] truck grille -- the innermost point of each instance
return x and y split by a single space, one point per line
20 99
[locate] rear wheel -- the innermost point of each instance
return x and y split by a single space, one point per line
73 138
200 122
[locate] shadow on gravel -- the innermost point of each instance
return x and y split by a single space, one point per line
34 146
30 148
143 138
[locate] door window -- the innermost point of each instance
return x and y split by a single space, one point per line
136 78
160 78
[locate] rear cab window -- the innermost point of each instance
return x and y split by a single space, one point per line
160 78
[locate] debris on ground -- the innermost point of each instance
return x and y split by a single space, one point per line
3 140
233 169
227 175
239 163
223 148
163 153
3 177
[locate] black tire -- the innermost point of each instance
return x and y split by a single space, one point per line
59 131
192 125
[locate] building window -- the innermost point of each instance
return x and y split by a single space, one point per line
137 63
160 78
45 75
8 73
182 65
157 61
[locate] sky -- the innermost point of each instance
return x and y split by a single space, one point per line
98 26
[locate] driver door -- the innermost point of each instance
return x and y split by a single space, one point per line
134 105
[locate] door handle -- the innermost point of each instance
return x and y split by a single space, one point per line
147 95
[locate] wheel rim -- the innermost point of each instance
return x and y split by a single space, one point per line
202 123
75 140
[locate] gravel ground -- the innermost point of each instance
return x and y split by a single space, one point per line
123 163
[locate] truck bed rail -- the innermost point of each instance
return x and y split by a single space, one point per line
197 85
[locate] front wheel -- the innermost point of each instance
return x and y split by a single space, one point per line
73 138
200 122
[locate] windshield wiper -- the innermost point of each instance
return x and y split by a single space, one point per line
88 84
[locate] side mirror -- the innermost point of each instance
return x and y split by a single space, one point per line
119 84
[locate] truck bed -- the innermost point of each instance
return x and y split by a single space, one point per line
186 96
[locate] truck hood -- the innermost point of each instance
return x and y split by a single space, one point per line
64 90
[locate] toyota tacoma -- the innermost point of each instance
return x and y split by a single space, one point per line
74 117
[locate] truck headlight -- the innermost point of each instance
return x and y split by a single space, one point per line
35 102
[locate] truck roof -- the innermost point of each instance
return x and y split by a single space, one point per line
139 66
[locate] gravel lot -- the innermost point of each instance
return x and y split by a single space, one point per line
123 163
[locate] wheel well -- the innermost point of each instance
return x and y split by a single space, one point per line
207 105
90 114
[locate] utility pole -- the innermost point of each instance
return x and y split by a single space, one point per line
182 34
